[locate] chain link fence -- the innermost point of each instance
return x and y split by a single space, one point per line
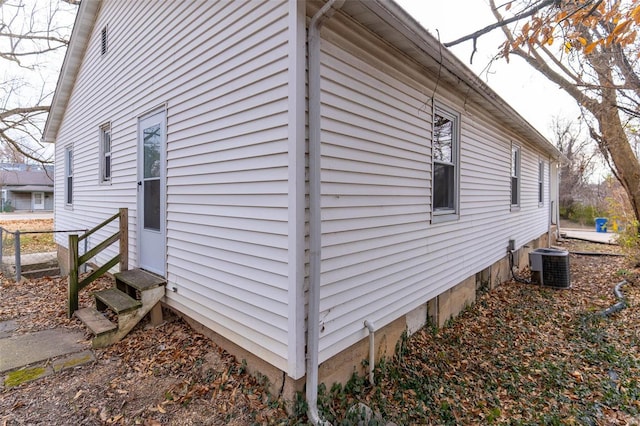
30 254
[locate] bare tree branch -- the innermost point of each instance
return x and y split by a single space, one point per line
502 23
32 35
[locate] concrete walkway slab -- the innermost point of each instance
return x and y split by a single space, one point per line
7 327
587 235
24 349
73 360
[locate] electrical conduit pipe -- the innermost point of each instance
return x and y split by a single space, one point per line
372 356
315 236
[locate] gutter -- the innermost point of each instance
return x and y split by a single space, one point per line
315 233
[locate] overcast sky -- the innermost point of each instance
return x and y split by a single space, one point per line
534 97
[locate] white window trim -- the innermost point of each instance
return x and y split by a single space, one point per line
104 180
541 172
104 41
447 215
518 167
68 173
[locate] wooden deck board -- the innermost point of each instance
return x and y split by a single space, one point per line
139 279
116 300
95 321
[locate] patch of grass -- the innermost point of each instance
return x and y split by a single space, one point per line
29 243
24 375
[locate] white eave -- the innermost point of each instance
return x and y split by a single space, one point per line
391 23
75 53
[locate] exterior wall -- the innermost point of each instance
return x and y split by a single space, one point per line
225 90
437 311
382 256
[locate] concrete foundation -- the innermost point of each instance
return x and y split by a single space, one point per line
63 260
340 368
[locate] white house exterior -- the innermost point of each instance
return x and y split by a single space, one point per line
195 116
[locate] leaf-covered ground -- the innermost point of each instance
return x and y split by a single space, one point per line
521 355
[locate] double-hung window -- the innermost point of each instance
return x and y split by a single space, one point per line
68 176
445 153
105 153
540 183
515 176
104 41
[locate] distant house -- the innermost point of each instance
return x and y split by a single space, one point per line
294 169
26 187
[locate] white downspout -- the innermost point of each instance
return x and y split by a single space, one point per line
315 236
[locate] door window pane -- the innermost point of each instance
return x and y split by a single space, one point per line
151 144
152 204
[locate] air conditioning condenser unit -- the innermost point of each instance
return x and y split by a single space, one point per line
550 267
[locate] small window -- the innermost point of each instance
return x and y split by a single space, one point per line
103 44
515 175
68 172
540 183
445 155
105 153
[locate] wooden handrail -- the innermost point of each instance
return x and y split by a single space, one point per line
76 261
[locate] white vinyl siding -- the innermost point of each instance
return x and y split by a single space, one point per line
222 75
381 255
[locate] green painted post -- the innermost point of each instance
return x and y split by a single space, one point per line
72 305
124 239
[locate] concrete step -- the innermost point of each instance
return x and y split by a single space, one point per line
39 273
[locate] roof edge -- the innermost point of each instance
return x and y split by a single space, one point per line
80 35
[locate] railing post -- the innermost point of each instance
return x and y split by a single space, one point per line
1 242
124 239
17 254
72 304
86 248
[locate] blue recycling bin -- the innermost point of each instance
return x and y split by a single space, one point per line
601 224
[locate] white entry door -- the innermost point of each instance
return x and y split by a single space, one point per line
38 200
152 192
